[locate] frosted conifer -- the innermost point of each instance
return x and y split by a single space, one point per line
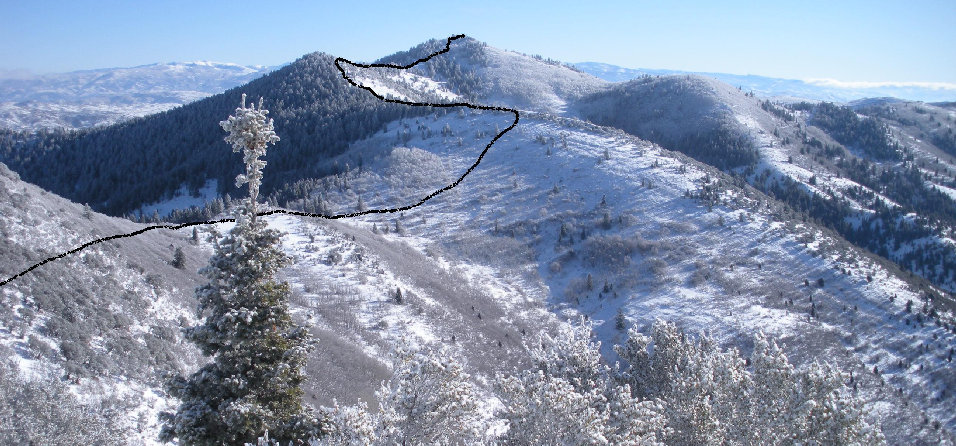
250 132
252 383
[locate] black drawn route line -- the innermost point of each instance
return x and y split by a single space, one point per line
338 64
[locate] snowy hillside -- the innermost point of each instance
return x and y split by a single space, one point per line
728 269
813 89
90 98
888 163
563 219
104 321
493 76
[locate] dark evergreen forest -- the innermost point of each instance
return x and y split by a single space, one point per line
872 159
118 168
317 115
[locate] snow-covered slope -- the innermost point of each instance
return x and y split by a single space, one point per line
492 76
89 98
107 320
104 321
814 89
562 219
531 224
525 82
786 149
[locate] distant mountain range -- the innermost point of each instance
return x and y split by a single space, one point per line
814 89
89 98
100 97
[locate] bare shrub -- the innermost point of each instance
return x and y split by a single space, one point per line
611 252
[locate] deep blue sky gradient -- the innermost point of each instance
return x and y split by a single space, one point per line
847 40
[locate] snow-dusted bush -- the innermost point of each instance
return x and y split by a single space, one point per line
428 400
415 169
43 411
674 390
711 396
570 398
612 251
347 426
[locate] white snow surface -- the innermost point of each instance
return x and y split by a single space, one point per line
755 265
182 199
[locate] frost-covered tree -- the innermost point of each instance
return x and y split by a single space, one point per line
694 380
570 398
712 396
179 259
347 426
252 383
809 407
428 400
250 132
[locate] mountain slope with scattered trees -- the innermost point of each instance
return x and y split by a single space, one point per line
563 220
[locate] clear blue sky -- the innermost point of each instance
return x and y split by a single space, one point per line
846 40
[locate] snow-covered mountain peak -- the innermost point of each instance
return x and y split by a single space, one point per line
493 76
533 83
222 65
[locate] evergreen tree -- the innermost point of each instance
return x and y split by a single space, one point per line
179 259
252 383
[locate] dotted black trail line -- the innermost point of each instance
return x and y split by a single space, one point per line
338 64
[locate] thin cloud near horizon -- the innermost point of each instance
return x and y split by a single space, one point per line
877 84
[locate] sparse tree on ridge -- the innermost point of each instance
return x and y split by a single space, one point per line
252 384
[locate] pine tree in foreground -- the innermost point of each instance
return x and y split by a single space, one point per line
252 384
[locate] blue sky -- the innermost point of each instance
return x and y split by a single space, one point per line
845 40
